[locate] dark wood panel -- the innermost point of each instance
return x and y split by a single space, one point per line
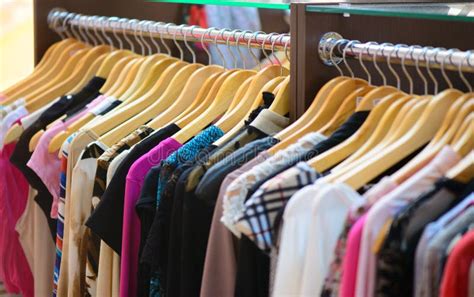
312 73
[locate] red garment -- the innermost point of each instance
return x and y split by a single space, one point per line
455 281
14 269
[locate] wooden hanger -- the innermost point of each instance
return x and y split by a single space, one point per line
46 64
393 117
220 103
119 86
142 75
463 142
117 65
117 71
204 98
463 171
337 154
312 110
115 56
272 86
239 95
187 95
362 100
68 57
405 119
69 83
252 96
146 82
451 124
91 71
129 118
347 108
139 104
281 103
126 79
329 107
453 112
424 129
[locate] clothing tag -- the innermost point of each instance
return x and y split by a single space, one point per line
358 101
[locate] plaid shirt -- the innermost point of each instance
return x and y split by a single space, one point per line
262 209
234 197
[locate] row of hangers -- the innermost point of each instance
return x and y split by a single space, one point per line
160 89
155 88
398 125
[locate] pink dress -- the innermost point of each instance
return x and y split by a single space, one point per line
48 165
14 269
131 222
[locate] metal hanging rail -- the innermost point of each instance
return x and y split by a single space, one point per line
62 20
332 46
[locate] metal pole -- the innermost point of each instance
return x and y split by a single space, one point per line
168 31
435 57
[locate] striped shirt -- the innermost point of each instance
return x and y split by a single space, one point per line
61 205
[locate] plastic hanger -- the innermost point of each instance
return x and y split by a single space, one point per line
330 103
423 131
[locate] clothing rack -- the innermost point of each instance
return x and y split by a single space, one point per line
62 21
333 47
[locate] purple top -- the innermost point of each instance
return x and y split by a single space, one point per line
131 222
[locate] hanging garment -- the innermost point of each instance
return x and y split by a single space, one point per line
238 191
220 267
434 255
106 221
33 231
100 181
430 231
131 223
386 208
263 207
396 255
456 272
14 268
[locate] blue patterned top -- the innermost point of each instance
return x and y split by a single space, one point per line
185 153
